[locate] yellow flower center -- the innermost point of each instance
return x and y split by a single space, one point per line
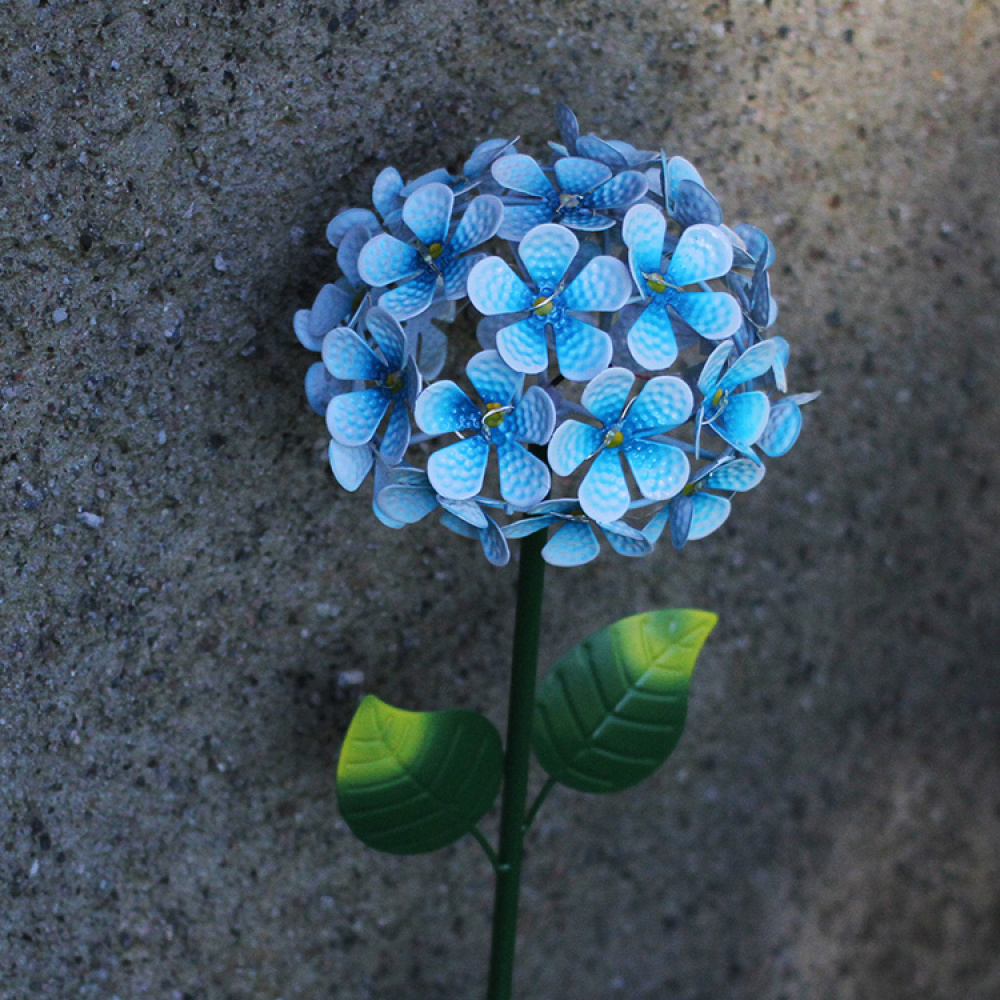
543 305
717 397
613 439
435 250
394 381
495 414
656 283
690 489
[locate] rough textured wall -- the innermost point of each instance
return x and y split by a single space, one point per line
182 581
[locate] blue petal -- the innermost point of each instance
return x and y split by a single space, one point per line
621 191
479 223
737 475
407 504
585 219
577 175
572 545
658 522
660 470
715 315
443 407
604 492
782 430
493 379
597 149
350 465
330 308
569 128
524 479
582 350
353 417
389 336
518 220
384 259
678 169
350 250
572 444
386 191
456 274
457 470
483 156
528 526
494 288
547 252
603 285
523 346
321 387
709 512
780 363
751 364
410 298
692 204
708 380
681 511
522 173
643 231
743 420
347 356
626 540
428 213
343 222
757 243
494 543
651 339
665 402
397 433
535 417
607 394
704 252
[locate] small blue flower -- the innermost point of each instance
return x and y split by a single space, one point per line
739 418
694 513
507 421
427 212
575 542
703 253
582 350
333 306
586 191
611 152
626 430
685 197
392 383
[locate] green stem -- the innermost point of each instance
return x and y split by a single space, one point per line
486 846
542 795
520 711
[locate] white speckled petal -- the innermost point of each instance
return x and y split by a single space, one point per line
780 363
678 169
343 222
483 155
321 387
660 470
524 479
582 350
751 364
621 191
386 191
654 528
737 475
607 394
665 402
572 545
704 252
479 223
494 287
494 543
457 471
528 526
604 492
586 219
410 298
577 175
456 274
715 315
519 220
782 430
493 379
643 231
407 504
384 259
708 512
651 339
428 212
569 127
347 356
522 173
597 149
466 510
603 285
743 420
353 417
693 204
350 465
547 252
397 433
708 380
443 407
626 540
523 345
572 444
389 336
349 251
330 308
535 417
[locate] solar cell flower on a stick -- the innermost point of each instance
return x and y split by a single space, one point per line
626 386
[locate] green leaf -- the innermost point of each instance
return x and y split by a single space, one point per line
410 782
611 711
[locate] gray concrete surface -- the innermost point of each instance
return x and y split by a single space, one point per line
182 581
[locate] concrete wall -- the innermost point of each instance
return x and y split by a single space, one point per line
183 582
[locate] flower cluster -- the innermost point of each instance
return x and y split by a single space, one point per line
625 374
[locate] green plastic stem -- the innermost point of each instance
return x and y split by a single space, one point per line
520 711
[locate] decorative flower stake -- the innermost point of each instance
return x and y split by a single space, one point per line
627 383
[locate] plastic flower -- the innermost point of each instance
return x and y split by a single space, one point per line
587 189
659 469
784 423
507 421
353 417
702 253
695 513
582 350
427 212
685 197
575 542
739 418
